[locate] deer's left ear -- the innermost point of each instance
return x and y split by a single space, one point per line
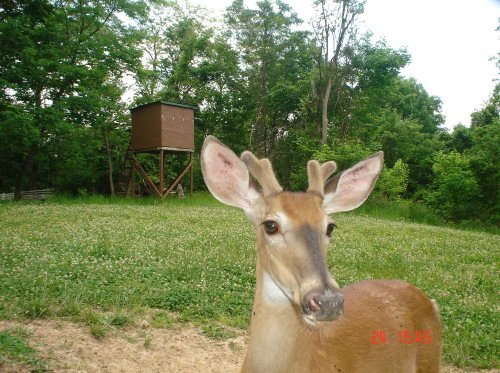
349 189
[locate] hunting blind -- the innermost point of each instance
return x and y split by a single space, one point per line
161 128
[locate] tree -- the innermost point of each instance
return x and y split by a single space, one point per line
334 28
461 139
490 113
154 48
368 88
51 52
479 144
485 153
271 54
413 102
187 59
406 140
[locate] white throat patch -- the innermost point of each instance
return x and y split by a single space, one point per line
273 293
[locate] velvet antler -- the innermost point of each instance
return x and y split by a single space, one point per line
318 174
262 171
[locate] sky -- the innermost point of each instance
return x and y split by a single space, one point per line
451 43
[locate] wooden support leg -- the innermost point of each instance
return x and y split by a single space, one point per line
191 175
162 171
179 177
132 178
146 178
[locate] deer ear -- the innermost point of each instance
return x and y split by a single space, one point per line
349 189
226 175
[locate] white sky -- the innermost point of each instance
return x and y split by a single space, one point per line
450 41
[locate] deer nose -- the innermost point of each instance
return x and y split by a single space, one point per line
325 306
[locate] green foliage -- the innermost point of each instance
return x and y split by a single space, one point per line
393 182
479 145
413 102
461 139
63 123
275 70
119 320
406 140
61 70
370 90
345 154
400 210
489 114
484 157
454 190
384 111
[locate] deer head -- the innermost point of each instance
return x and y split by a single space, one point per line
293 229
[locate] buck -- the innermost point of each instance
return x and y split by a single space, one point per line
301 320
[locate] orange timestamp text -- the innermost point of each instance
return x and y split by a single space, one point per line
404 337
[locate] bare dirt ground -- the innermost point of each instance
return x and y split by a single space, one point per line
69 347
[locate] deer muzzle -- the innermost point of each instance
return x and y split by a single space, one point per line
323 306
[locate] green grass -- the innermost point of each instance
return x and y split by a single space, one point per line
162 319
401 211
101 261
417 212
15 350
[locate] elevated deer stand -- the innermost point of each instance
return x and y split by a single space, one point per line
160 128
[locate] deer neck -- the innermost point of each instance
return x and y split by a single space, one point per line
276 335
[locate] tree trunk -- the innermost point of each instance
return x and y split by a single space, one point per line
33 176
324 111
332 26
110 163
22 172
324 120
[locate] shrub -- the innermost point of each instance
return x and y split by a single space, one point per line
454 190
393 182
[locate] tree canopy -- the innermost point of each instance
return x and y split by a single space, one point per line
261 81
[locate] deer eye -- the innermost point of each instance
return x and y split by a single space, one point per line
270 226
329 229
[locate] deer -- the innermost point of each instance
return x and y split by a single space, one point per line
301 320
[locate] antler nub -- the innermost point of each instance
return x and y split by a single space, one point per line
318 174
262 171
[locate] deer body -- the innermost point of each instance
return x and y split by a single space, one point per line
281 343
301 320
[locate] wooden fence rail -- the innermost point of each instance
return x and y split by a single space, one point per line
41 194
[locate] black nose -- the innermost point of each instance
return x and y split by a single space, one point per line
325 306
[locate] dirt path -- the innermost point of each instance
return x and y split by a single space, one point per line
69 347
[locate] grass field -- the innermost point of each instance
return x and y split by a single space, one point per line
104 262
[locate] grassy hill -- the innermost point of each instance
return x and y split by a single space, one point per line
104 262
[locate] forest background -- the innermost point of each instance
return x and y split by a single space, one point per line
259 83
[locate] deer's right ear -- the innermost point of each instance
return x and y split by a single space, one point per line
226 175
